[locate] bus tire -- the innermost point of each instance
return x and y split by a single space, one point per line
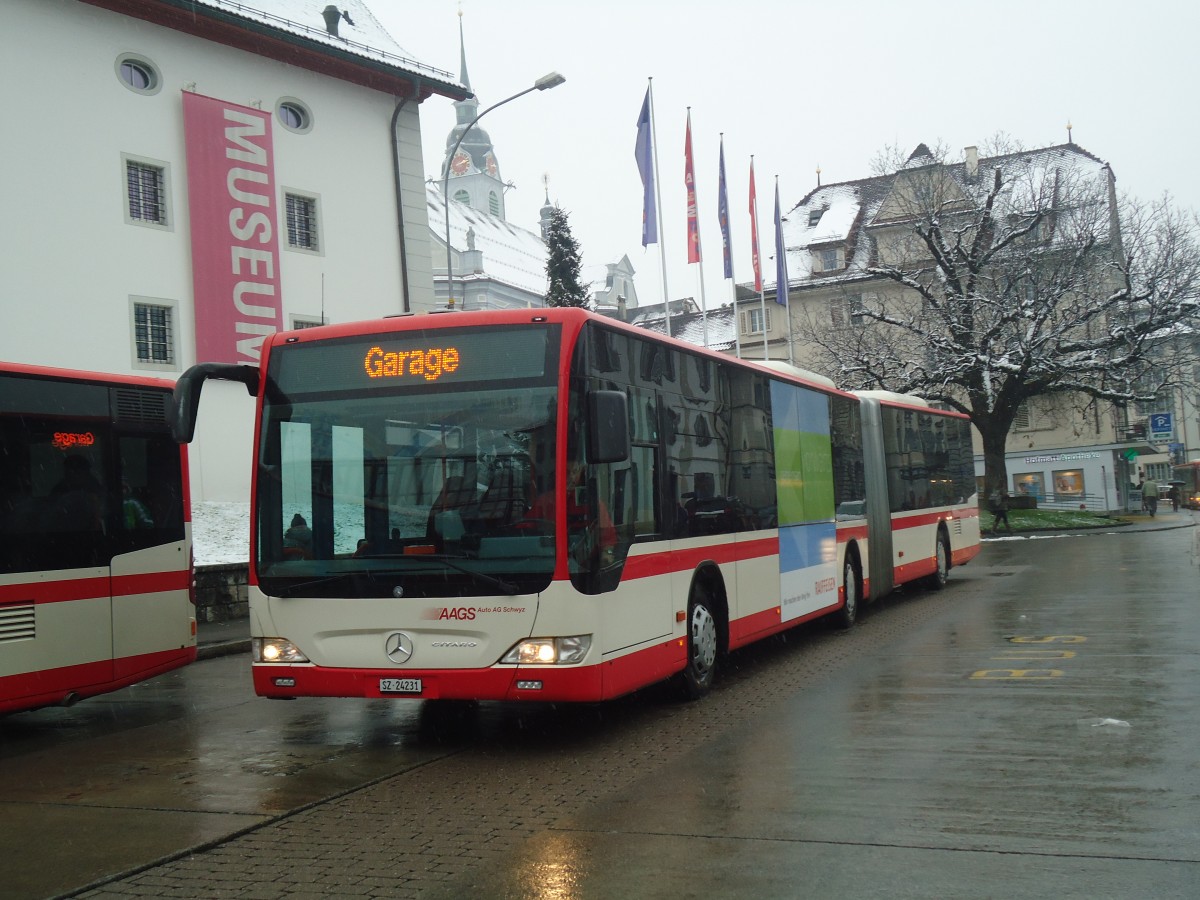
941 554
847 615
702 644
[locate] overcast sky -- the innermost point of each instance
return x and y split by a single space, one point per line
799 85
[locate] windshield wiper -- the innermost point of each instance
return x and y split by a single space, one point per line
507 586
312 582
372 574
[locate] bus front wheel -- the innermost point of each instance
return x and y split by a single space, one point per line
701 646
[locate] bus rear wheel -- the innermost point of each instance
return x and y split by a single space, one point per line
941 573
702 641
848 614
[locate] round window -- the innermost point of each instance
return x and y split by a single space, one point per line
138 74
294 115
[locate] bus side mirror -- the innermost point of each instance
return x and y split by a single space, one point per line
185 400
608 429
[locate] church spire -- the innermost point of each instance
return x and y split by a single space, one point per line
462 52
474 173
547 209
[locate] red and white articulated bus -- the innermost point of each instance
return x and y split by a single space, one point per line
95 545
549 505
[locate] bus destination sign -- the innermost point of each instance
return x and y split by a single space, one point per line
415 359
411 364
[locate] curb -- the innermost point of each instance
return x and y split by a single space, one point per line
223 648
1107 528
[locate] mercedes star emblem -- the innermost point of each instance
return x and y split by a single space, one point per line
398 647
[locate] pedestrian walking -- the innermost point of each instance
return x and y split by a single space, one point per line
1150 496
1173 496
998 506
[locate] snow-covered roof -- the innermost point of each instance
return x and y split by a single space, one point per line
691 326
359 33
842 208
840 213
512 255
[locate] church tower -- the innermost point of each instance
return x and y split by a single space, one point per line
547 210
474 171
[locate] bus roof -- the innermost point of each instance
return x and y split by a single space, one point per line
894 397
573 318
81 375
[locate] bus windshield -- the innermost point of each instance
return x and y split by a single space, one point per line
419 488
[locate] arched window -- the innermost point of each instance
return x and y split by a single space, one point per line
463 197
494 203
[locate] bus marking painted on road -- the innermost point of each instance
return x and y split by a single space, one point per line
1030 654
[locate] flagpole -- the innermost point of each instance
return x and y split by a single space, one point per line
762 291
693 213
781 274
727 241
662 250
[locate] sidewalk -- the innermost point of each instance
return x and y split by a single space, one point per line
1164 518
1128 522
222 638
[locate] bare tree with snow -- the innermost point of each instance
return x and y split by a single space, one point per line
994 282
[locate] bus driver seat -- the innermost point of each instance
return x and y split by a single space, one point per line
445 515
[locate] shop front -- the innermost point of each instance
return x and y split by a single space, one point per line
1097 479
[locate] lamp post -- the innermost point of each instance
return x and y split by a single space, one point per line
542 84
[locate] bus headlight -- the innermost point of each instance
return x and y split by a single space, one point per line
560 651
275 650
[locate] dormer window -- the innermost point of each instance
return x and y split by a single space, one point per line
829 260
814 217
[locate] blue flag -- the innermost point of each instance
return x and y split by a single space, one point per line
723 216
641 152
781 273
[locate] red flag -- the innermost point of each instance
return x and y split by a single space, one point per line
689 180
754 232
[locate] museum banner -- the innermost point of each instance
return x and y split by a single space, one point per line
235 248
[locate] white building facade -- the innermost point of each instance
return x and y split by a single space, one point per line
110 261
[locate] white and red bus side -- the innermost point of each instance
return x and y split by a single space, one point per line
404 545
95 536
924 523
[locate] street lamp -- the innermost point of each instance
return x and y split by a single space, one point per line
544 83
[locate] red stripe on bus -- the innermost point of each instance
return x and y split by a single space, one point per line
852 533
964 556
90 588
50 687
933 517
603 681
682 560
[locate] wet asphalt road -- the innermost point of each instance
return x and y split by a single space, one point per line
1031 731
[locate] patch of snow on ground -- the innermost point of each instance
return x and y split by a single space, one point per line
220 532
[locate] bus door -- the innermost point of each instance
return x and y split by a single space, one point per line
626 496
150 565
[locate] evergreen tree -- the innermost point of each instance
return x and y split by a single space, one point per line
562 264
